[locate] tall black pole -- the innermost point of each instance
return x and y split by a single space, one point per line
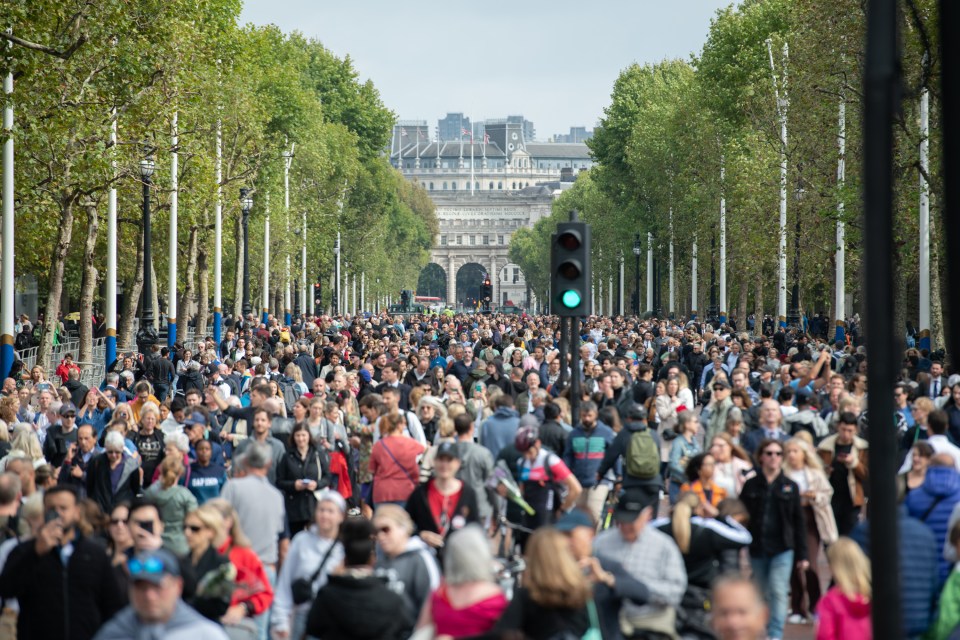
147 335
244 223
296 297
881 100
564 350
713 312
794 316
575 370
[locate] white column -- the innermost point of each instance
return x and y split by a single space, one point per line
288 159
266 261
723 245
924 216
839 300
303 269
693 280
174 209
218 232
353 297
337 251
671 308
650 272
452 283
782 106
610 296
620 292
111 303
363 291
6 270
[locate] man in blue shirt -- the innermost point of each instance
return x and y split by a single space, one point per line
584 452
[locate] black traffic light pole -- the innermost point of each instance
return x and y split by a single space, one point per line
575 339
881 100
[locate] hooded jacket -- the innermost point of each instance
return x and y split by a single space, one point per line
303 559
173 503
499 429
843 618
185 624
585 450
933 503
358 607
413 574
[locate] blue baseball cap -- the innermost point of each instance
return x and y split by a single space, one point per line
152 566
574 519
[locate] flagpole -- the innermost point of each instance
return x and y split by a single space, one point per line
471 159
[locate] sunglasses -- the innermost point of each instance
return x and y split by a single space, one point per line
151 566
772 453
119 520
192 528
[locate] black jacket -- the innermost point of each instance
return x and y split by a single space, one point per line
210 607
308 368
56 445
358 608
790 513
57 602
464 512
301 504
190 380
553 436
78 391
99 487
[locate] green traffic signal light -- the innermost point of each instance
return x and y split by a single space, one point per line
570 299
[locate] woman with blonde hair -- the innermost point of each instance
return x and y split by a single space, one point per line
25 440
253 594
404 557
555 599
803 466
844 612
213 571
733 466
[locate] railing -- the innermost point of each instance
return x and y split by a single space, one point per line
28 357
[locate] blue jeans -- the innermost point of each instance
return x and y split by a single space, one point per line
263 620
772 573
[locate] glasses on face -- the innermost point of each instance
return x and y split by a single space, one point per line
192 528
384 529
773 453
116 521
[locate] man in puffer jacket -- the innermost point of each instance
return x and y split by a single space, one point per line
934 501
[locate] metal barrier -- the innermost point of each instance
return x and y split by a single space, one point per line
28 357
91 373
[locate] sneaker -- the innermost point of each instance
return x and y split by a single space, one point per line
796 618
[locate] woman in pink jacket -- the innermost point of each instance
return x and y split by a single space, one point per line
845 610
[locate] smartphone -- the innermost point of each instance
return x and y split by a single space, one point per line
146 525
50 515
478 388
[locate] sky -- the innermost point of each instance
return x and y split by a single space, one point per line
553 62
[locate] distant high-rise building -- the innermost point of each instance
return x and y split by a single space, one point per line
451 127
529 132
577 134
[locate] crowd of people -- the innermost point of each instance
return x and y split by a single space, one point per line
433 477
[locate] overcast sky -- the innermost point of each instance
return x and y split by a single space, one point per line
554 62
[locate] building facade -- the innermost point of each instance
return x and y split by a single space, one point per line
483 193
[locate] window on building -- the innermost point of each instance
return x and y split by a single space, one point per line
459 239
516 275
500 186
431 186
453 186
473 240
486 239
514 187
476 186
444 186
499 239
491 186
443 240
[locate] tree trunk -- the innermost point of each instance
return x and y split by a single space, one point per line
278 303
156 298
88 283
132 301
238 274
203 296
899 296
185 307
51 312
758 305
742 303
936 298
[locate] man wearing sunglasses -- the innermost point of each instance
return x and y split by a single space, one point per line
778 529
156 608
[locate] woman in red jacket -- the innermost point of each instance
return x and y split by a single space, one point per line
253 594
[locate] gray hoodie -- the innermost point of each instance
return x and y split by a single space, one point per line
413 574
185 624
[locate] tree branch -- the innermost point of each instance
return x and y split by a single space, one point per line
64 54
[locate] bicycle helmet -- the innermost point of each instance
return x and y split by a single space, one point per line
526 438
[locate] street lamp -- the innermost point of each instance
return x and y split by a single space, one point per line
246 204
636 279
147 335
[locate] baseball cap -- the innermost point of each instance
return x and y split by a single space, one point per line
572 520
448 450
628 510
152 566
720 383
67 407
636 412
434 345
195 418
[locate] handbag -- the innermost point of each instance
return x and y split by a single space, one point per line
302 588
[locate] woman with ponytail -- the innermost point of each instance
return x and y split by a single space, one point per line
702 542
173 502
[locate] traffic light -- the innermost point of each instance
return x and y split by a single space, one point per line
570 269
317 297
